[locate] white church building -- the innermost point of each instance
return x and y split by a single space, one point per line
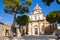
37 21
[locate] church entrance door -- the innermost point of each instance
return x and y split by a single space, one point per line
36 31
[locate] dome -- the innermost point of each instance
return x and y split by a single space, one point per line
37 7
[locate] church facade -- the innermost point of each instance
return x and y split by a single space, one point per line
37 22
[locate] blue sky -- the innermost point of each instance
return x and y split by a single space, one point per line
8 18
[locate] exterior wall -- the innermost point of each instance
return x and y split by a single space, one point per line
31 28
46 24
37 20
4 28
58 27
34 25
1 30
37 24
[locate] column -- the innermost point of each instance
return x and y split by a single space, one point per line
41 28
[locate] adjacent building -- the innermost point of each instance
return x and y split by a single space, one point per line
5 29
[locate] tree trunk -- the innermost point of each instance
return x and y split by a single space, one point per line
27 30
23 30
14 23
13 28
56 27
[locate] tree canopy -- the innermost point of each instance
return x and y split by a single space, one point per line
53 16
48 2
16 6
49 30
23 20
10 5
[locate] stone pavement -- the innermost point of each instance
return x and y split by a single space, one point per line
41 37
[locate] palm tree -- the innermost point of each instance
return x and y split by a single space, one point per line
14 7
23 21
